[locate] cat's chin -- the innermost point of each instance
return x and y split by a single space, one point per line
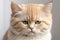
30 34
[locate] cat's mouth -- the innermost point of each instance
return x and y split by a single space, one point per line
29 34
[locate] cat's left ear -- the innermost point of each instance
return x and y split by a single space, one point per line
48 7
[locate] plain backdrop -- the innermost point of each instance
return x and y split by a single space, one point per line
5 13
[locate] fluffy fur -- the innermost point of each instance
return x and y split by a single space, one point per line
30 22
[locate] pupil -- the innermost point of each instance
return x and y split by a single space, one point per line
25 22
37 22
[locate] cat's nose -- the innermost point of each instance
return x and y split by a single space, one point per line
31 28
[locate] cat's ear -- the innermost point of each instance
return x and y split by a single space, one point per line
48 7
15 7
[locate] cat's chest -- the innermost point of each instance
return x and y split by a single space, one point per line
23 38
27 38
46 37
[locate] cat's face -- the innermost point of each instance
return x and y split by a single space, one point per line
30 19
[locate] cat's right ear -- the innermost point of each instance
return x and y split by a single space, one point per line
15 7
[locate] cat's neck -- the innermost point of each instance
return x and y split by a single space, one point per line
37 37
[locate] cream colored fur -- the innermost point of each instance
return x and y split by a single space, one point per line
30 13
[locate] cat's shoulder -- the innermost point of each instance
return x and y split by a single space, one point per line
5 36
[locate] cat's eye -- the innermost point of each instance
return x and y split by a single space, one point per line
37 22
25 22
17 15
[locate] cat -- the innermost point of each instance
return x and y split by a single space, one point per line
30 22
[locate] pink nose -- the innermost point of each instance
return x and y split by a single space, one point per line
31 28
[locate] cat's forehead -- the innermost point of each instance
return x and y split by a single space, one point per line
31 12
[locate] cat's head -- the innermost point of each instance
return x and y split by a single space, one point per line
31 18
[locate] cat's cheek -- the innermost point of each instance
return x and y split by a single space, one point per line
23 26
36 30
25 32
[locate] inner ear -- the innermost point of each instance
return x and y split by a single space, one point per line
15 7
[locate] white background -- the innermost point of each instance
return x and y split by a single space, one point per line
5 12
